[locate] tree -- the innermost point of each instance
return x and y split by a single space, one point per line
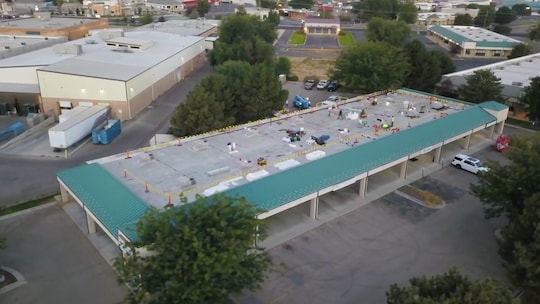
262 96
534 33
445 62
283 65
198 253
481 86
505 15
246 38
520 246
201 113
463 19
146 19
511 191
203 6
522 9
449 288
371 66
520 50
504 189
485 17
299 4
273 18
3 242
408 13
531 97
502 29
425 70
395 33
378 8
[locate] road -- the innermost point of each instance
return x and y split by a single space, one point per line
390 240
25 178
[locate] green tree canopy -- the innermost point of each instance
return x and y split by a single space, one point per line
198 253
522 9
201 113
395 33
504 189
301 4
203 6
519 245
511 191
408 13
283 65
463 19
371 66
531 97
246 38
377 8
449 288
481 86
534 32
505 15
425 70
520 50
485 17
427 67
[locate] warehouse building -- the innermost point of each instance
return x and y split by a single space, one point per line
283 162
127 70
514 74
470 41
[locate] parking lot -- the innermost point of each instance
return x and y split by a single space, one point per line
390 240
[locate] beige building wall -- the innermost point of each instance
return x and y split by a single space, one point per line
20 75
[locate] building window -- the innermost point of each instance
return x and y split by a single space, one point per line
497 53
480 52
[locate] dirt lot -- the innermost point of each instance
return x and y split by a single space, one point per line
303 67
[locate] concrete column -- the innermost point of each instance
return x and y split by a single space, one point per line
437 156
362 187
403 169
500 127
64 194
91 224
467 142
314 208
491 131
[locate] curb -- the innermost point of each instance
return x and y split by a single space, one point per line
26 211
18 276
419 202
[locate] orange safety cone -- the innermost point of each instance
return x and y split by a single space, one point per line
356 140
146 188
127 154
170 200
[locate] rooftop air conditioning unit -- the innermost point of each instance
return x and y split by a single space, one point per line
23 43
7 47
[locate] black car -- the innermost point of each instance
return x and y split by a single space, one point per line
332 86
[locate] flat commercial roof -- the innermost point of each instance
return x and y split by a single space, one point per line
181 27
482 37
227 160
98 60
38 24
517 72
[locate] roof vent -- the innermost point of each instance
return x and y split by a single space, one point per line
500 68
90 41
7 47
517 84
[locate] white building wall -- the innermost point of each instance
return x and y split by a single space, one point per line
19 75
138 84
173 63
72 87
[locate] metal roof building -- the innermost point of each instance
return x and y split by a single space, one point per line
470 41
115 191
514 74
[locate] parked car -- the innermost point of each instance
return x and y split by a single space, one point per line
309 84
322 84
333 85
468 163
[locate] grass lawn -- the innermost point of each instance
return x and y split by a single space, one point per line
522 123
297 38
346 39
27 205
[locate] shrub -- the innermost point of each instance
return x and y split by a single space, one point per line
292 78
